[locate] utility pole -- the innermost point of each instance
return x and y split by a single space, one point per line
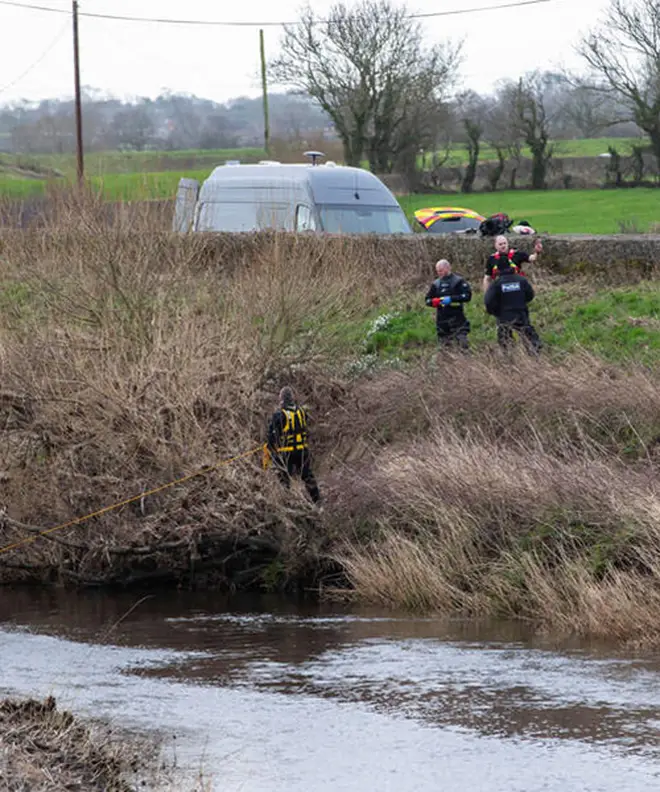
264 90
76 76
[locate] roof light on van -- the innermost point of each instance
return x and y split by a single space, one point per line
232 162
269 162
330 164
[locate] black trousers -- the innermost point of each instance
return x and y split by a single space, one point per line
525 330
453 331
297 463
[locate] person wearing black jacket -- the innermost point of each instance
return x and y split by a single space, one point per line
507 299
288 444
507 257
448 294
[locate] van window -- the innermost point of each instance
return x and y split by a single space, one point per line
221 216
363 219
305 219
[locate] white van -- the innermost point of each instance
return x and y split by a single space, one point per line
306 197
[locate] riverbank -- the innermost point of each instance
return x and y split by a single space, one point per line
471 486
44 749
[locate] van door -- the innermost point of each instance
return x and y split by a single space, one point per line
184 206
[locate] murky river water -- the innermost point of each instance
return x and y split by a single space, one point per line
266 696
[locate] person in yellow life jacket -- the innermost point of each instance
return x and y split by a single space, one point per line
288 444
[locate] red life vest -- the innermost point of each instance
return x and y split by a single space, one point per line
510 254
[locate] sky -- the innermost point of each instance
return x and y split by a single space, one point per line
130 59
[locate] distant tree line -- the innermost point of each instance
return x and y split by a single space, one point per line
169 122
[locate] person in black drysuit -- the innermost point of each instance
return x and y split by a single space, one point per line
507 299
288 444
505 256
448 294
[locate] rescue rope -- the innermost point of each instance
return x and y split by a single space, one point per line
133 499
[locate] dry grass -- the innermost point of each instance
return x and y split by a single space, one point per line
130 357
44 749
527 514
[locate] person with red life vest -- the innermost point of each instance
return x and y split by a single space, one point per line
448 294
507 258
288 445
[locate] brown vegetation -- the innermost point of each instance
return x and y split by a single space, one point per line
44 749
527 492
131 358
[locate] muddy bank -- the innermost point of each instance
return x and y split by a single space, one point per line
44 749
472 486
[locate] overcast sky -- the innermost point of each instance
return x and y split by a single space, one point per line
128 59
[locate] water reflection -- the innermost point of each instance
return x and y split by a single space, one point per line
490 680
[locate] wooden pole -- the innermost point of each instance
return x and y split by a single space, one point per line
264 89
76 76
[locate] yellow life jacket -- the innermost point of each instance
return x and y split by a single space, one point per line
294 432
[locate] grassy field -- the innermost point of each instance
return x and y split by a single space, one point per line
617 324
559 211
105 162
590 147
151 175
549 212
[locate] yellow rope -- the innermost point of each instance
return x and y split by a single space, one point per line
106 509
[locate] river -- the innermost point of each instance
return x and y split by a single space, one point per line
266 695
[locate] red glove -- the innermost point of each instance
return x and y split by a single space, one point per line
436 301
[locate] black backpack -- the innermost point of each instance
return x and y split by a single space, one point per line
495 225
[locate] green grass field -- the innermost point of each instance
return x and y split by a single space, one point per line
617 324
100 163
153 175
106 162
589 147
559 211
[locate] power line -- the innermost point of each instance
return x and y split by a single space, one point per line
217 23
36 62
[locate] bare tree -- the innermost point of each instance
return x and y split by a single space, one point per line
368 68
531 118
624 56
588 112
472 111
503 135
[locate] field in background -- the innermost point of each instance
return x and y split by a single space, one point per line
549 212
154 175
104 162
589 147
559 211
101 163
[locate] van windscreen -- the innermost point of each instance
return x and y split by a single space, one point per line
339 219
248 216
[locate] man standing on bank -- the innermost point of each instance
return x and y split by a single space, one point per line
507 299
288 443
506 257
448 294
